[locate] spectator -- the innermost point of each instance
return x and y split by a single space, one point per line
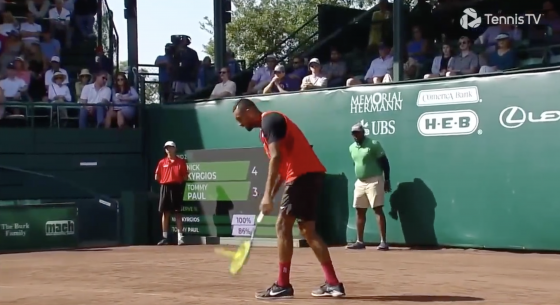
185 80
11 49
226 87
2 99
378 69
298 73
123 97
551 19
335 70
233 64
207 74
37 65
383 13
488 38
60 22
96 93
262 76
316 79
410 68
84 13
418 46
84 78
50 46
55 67
503 58
69 5
102 63
39 8
279 82
14 87
59 93
30 31
466 62
164 64
9 24
21 70
441 62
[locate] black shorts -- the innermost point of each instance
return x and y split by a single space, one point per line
302 196
171 197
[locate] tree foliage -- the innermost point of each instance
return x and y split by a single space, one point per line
259 25
150 93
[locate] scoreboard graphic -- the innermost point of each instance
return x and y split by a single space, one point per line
223 193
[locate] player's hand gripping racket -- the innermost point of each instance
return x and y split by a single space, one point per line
241 255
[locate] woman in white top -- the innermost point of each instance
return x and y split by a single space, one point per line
59 93
9 24
316 79
441 62
123 95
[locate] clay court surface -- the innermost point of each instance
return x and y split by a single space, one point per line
195 275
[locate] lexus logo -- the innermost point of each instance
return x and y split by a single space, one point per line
508 120
514 117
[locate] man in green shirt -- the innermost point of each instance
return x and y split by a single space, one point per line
372 181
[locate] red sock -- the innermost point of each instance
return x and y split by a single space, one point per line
330 275
284 274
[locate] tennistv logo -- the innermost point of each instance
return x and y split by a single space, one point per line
452 96
448 123
471 19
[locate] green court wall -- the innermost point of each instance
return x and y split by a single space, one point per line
468 170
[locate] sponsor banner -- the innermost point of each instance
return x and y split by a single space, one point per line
451 96
448 123
514 117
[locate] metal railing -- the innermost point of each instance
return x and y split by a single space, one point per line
109 36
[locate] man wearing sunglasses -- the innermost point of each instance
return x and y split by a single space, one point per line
226 87
95 94
466 62
279 83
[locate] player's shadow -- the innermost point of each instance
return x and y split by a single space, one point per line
333 210
416 298
414 204
222 217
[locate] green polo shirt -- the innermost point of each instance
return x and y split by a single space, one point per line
365 157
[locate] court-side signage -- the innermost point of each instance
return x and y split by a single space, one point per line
448 123
452 96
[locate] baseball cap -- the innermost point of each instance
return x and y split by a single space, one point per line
502 36
55 59
357 127
279 68
271 58
314 61
169 143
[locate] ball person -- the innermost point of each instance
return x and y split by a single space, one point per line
171 173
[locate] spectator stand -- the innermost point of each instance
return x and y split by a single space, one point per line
73 60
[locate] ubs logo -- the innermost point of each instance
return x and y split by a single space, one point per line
448 123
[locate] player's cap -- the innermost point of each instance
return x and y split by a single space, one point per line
357 127
314 61
502 36
279 68
169 143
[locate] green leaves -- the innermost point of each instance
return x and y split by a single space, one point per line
259 26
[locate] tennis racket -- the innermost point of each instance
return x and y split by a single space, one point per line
240 257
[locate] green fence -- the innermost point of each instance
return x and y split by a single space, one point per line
474 160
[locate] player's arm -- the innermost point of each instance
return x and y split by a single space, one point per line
277 186
274 129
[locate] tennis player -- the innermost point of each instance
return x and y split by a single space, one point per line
294 163
171 173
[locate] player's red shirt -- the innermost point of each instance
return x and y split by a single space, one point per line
298 157
171 170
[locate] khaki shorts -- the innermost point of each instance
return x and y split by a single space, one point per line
369 193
